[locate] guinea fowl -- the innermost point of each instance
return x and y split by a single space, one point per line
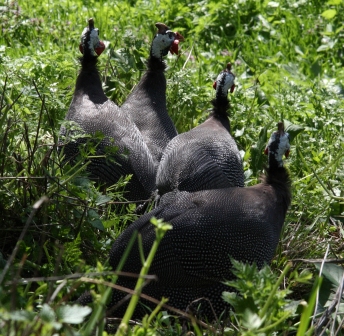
207 156
146 105
209 227
91 113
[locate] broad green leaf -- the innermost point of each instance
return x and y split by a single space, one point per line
109 223
334 2
19 315
298 50
97 223
230 297
239 132
292 129
325 294
102 199
47 314
329 14
273 4
332 272
252 320
72 314
257 150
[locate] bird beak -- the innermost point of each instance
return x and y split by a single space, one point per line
174 46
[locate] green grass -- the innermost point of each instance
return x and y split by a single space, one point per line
288 57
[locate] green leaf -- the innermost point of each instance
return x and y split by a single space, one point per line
239 132
97 223
316 68
101 199
292 129
329 14
308 310
47 314
273 4
324 47
19 315
299 50
257 150
332 272
334 2
230 297
72 314
251 320
109 223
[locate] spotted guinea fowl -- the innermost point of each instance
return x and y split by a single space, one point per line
207 156
91 113
146 105
209 227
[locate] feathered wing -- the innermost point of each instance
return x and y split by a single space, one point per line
146 106
98 120
209 227
200 159
132 156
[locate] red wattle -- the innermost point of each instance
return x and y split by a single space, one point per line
214 85
174 47
99 49
266 151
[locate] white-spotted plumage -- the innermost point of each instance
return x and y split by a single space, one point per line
224 82
162 43
93 39
209 227
122 150
146 105
207 156
278 145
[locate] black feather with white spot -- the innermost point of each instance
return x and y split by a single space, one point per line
207 156
209 227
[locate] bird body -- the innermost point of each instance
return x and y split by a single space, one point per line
209 228
146 105
207 156
92 113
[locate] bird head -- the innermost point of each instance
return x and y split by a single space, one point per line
224 82
278 146
164 41
90 40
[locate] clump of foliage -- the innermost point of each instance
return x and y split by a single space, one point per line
288 58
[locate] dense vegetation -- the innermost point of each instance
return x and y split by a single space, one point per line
55 226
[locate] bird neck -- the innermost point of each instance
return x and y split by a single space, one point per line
155 64
276 151
220 107
279 179
88 62
89 81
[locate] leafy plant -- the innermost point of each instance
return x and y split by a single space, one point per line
260 306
